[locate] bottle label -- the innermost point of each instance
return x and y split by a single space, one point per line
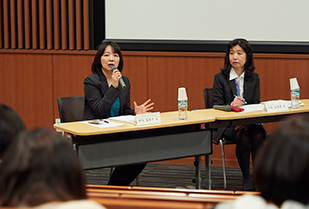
182 105
295 93
182 109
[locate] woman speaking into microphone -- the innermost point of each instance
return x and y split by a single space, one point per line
105 97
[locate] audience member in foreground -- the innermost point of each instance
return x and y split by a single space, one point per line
40 169
10 126
282 169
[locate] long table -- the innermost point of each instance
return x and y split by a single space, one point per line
170 139
129 144
225 119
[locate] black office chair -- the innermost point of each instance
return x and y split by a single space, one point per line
71 108
208 96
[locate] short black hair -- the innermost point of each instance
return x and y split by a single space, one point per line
11 125
96 64
281 168
249 66
39 167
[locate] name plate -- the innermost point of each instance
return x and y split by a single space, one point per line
147 118
275 106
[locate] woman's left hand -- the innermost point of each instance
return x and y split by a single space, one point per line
143 108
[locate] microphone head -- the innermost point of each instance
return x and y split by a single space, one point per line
114 68
122 84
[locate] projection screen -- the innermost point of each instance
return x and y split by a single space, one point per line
208 25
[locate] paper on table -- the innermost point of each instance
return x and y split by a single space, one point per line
124 118
102 124
252 107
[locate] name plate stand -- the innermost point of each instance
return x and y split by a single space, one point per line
275 106
147 118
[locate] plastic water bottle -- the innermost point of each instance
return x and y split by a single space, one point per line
182 103
294 93
295 98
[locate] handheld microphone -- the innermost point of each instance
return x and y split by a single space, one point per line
121 82
223 107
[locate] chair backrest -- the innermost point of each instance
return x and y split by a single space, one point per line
71 108
208 96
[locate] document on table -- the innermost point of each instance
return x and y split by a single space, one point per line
124 118
102 123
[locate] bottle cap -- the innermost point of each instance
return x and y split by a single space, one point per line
182 94
294 84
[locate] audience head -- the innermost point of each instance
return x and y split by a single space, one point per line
249 64
96 64
39 167
281 171
10 126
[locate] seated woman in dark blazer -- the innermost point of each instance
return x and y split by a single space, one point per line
104 98
236 83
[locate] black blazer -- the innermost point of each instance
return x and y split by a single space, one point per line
99 98
224 91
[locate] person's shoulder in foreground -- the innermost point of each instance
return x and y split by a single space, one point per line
247 201
257 202
73 204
